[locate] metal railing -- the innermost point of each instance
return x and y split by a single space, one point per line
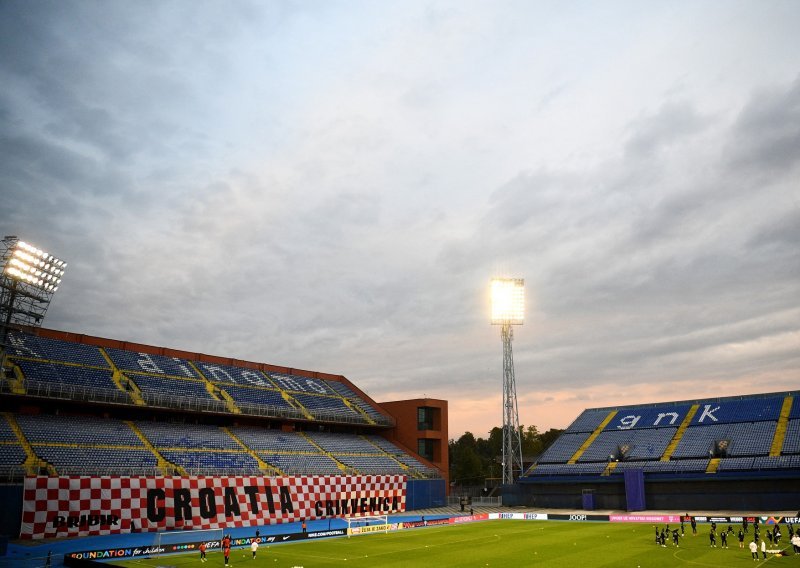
191 404
455 501
73 392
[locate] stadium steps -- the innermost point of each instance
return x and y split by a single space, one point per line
609 469
780 430
18 382
127 385
123 382
295 403
340 465
166 466
358 410
33 464
676 439
713 465
414 473
576 456
216 392
268 469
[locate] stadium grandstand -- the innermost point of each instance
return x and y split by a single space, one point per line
84 416
74 405
718 453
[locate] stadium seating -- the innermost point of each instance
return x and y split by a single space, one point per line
216 463
62 369
249 395
303 464
373 465
66 374
325 404
50 429
349 394
402 456
32 346
679 438
228 374
59 370
90 445
564 447
791 443
86 445
646 444
170 386
746 439
186 436
271 441
11 453
296 383
88 460
588 420
154 364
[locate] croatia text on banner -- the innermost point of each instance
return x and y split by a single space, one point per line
88 506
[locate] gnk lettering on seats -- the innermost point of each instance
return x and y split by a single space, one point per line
650 417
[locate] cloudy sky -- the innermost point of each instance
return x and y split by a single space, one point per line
330 185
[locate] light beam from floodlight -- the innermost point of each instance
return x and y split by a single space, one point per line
508 310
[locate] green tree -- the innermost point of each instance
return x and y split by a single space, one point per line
474 459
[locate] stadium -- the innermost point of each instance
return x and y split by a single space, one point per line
294 235
138 454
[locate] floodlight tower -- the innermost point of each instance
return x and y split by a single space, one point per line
508 309
28 279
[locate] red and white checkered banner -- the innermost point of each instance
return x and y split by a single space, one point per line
87 506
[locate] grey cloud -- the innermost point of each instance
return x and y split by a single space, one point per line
635 269
781 234
673 121
208 198
767 131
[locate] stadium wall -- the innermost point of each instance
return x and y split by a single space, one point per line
11 511
408 435
425 493
420 494
750 494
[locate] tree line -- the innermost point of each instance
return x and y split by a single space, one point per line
472 459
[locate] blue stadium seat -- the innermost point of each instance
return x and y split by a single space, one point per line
66 375
230 375
154 364
296 383
747 424
26 345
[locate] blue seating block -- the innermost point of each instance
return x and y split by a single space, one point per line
147 363
27 345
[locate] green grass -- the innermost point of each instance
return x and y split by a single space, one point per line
492 543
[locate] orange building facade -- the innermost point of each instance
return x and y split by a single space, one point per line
421 428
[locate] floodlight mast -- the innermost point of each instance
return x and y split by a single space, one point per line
28 279
508 309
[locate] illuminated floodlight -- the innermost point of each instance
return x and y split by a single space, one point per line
508 310
33 266
508 301
29 276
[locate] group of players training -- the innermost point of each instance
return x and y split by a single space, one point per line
774 536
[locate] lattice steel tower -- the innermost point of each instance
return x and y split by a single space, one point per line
28 279
508 308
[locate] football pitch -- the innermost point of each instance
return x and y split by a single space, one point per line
492 543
